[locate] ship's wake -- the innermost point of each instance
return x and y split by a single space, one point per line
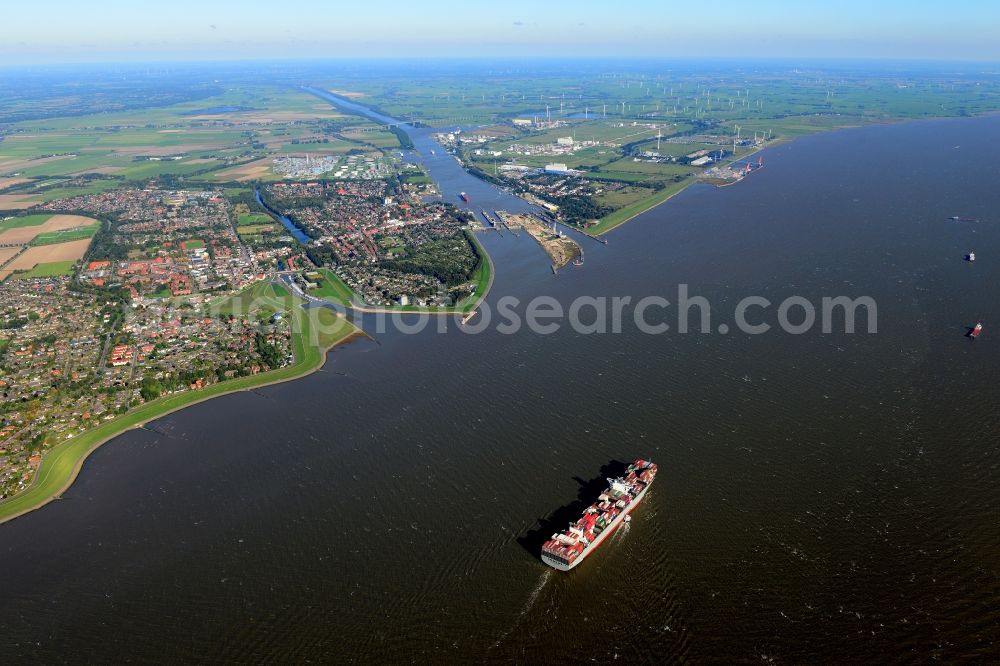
528 605
533 597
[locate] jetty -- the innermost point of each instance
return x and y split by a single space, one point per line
561 248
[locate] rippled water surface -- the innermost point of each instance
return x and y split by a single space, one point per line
821 497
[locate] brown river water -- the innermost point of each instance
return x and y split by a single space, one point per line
821 497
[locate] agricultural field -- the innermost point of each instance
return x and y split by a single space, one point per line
250 171
10 182
59 257
23 221
46 229
48 269
630 167
6 253
229 136
79 233
253 219
51 190
44 245
42 254
762 97
14 202
256 229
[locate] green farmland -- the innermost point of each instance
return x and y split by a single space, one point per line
253 219
53 237
50 269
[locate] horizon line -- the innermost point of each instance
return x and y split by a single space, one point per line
993 60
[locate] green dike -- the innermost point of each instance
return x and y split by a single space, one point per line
315 331
333 288
337 291
623 215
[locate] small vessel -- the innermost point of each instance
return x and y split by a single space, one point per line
976 330
432 152
568 548
971 256
464 197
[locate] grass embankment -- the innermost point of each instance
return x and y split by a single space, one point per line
337 291
623 215
333 289
314 332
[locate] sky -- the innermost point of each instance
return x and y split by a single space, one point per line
60 31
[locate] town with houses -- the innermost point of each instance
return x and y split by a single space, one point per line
387 245
161 243
132 323
138 316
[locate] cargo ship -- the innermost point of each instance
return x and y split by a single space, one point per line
464 197
568 548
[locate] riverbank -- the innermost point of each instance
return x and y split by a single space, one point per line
623 215
315 332
285 221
